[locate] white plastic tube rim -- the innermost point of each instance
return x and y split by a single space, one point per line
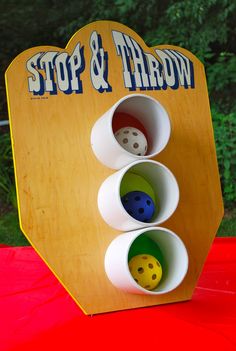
163 183
174 253
149 112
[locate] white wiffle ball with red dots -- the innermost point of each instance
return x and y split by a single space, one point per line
132 140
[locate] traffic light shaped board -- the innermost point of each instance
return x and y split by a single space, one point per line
116 172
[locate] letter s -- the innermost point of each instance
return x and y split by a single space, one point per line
36 84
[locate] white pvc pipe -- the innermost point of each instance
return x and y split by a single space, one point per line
161 180
174 254
4 123
149 112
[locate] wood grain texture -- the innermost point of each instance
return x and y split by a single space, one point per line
58 176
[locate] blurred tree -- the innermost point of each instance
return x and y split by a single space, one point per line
206 28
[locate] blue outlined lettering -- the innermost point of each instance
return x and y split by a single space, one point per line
169 68
52 71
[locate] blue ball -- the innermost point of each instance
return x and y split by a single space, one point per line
139 205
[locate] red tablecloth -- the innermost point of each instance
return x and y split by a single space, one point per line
36 313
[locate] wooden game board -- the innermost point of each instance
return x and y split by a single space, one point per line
52 112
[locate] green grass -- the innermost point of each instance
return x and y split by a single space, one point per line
10 233
228 225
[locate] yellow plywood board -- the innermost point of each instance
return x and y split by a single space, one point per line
58 176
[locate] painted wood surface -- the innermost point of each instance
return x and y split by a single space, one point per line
58 176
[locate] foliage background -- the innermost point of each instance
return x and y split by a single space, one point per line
205 27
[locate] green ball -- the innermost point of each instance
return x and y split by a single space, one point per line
134 182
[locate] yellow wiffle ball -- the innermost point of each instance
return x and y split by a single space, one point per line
146 271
